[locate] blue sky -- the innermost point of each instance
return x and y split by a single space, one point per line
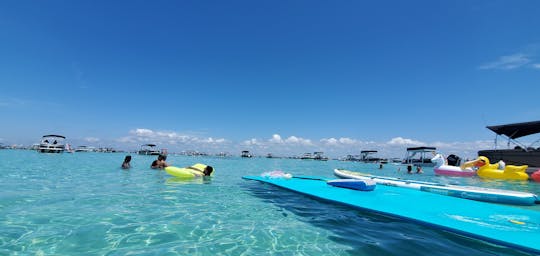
268 76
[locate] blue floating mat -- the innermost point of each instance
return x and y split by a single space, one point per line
362 185
504 225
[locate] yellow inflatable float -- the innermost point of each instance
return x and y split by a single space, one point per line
196 170
487 170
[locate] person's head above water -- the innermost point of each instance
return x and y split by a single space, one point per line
208 170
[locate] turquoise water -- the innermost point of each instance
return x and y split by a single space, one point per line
84 204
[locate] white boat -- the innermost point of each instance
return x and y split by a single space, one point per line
246 153
419 156
149 149
319 156
52 144
306 156
84 149
366 156
468 192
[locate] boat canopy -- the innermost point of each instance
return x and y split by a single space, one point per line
421 149
516 130
52 135
149 145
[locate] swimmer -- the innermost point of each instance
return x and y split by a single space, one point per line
126 164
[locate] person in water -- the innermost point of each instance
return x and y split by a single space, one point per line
160 162
126 164
208 170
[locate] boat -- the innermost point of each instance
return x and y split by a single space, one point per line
365 156
246 154
149 149
84 149
513 227
306 156
420 156
52 144
467 192
319 156
519 155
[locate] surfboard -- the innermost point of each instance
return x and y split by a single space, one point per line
500 224
468 192
362 185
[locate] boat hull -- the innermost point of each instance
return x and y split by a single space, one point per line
513 156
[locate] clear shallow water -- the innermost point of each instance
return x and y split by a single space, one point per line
83 203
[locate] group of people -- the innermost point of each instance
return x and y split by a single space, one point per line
159 163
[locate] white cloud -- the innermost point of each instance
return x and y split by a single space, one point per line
347 141
536 65
164 138
276 138
403 141
142 132
298 140
330 141
508 62
340 142
13 102
292 145
92 139
251 142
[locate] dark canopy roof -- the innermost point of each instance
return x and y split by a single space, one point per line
421 148
54 135
516 130
368 151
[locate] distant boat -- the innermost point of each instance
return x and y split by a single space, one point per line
420 156
319 156
84 149
521 154
246 153
149 149
306 156
353 158
52 144
365 156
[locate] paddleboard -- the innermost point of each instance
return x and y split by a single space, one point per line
468 192
500 224
362 185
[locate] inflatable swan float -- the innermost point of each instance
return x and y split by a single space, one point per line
487 170
442 169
